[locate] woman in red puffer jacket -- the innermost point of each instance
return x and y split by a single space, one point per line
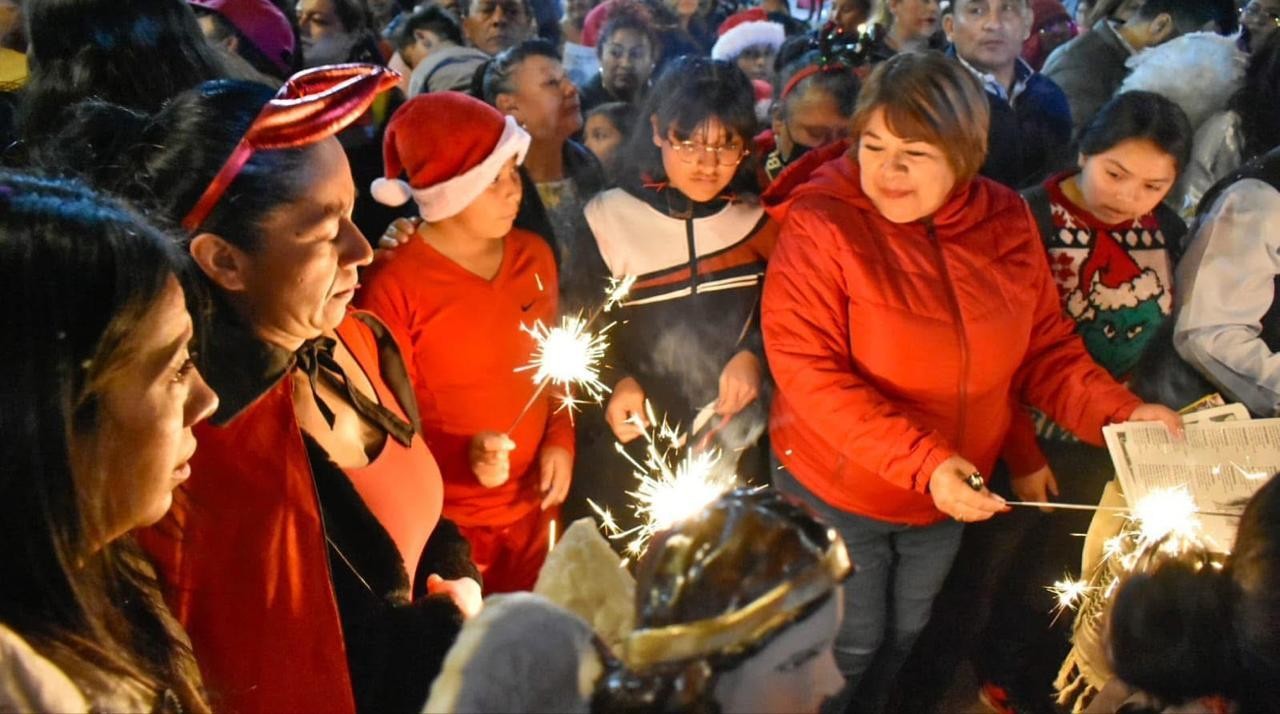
907 309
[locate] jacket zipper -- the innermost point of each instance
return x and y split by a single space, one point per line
958 321
693 256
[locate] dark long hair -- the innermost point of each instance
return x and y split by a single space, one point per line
137 53
1258 100
690 91
165 162
78 272
1181 632
1140 115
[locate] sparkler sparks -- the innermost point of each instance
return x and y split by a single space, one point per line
568 354
1166 512
1069 593
670 490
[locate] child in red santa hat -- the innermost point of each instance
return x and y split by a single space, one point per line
461 289
751 40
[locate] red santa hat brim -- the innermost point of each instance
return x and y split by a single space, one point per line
448 198
748 34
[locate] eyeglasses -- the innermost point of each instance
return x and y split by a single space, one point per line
1253 12
725 155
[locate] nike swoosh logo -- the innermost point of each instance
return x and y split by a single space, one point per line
525 308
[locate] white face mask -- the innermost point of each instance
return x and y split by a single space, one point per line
334 49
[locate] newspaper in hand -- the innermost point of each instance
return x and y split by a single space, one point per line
1225 458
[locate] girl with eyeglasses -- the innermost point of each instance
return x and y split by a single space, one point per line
687 339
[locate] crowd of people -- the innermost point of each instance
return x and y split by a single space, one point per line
270 442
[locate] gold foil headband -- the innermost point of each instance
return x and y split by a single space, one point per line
734 630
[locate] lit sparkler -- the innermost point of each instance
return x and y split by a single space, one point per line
569 354
670 491
1069 593
1166 512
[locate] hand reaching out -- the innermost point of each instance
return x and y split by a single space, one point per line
464 592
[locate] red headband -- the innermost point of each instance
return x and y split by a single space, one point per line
799 77
312 105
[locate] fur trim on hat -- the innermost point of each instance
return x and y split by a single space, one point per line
1127 295
748 34
449 198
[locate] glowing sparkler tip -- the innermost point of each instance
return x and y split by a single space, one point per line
1166 512
568 354
1069 592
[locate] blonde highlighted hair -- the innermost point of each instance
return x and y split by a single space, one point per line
929 97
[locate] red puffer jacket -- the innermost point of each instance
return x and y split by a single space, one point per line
896 346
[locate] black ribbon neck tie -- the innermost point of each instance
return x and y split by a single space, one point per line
315 357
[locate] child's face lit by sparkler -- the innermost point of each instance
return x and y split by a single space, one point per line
491 215
702 164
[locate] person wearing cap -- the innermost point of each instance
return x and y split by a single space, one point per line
306 555
1051 28
255 30
1030 130
750 40
466 289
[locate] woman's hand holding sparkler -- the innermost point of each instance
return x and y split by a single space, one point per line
953 495
1162 414
464 592
490 458
556 468
625 409
1037 486
739 383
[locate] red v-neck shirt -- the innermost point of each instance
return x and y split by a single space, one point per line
464 332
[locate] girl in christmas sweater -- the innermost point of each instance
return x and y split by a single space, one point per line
1111 245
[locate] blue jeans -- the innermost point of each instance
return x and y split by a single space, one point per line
898 571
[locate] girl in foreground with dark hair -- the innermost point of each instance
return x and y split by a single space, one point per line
684 222
95 434
310 564
1194 637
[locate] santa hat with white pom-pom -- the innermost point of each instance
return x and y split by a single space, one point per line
451 147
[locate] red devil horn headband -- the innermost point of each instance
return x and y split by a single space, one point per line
312 106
